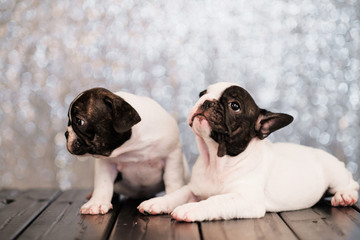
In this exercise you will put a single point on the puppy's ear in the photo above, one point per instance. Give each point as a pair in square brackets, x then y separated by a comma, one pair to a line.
[202, 93]
[269, 122]
[123, 114]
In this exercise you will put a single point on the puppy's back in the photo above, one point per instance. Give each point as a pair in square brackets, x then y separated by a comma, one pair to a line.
[156, 121]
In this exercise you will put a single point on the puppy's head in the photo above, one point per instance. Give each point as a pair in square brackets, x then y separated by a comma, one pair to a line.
[99, 122]
[228, 114]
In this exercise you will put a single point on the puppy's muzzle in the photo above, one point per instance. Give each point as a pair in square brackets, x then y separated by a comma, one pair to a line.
[200, 111]
[77, 147]
[67, 135]
[207, 105]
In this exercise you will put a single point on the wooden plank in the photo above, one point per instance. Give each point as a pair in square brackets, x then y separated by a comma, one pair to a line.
[324, 222]
[7, 196]
[8, 193]
[163, 227]
[62, 220]
[133, 225]
[269, 227]
[357, 205]
[19, 209]
[129, 225]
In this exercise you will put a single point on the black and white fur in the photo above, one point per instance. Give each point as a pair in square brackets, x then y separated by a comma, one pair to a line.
[133, 139]
[240, 174]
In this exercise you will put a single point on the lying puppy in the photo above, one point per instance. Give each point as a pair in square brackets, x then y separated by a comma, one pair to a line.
[240, 174]
[134, 141]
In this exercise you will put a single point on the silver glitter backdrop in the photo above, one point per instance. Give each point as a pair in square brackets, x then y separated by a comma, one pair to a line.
[300, 57]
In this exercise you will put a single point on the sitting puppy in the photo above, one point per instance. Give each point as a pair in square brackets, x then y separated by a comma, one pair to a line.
[134, 141]
[240, 174]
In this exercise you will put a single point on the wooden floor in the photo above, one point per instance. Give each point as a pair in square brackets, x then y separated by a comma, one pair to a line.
[52, 214]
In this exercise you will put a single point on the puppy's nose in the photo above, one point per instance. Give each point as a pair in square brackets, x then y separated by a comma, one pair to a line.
[66, 135]
[207, 104]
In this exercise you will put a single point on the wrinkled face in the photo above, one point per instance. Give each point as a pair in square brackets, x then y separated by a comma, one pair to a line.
[99, 122]
[228, 114]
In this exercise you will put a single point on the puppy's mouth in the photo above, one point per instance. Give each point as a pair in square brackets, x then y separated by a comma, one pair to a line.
[199, 115]
[215, 127]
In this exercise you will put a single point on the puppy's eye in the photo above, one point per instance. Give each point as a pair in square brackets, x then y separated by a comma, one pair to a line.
[79, 121]
[234, 106]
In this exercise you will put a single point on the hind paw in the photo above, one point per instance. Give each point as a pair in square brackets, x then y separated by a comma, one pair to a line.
[344, 199]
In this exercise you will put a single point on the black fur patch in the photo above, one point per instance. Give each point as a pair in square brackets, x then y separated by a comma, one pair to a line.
[102, 122]
[235, 119]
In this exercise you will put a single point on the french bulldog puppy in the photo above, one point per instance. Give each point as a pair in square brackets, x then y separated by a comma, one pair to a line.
[134, 141]
[240, 174]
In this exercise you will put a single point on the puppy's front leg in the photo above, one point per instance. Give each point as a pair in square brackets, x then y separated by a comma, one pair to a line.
[167, 203]
[226, 206]
[176, 172]
[100, 201]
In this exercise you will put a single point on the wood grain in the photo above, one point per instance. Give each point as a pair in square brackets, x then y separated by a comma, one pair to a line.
[52, 214]
[269, 227]
[19, 209]
[133, 225]
[62, 220]
[324, 222]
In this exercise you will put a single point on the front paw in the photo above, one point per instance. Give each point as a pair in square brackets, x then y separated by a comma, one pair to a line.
[95, 207]
[191, 212]
[155, 206]
[344, 198]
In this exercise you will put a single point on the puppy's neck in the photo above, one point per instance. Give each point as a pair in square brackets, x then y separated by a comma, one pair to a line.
[208, 150]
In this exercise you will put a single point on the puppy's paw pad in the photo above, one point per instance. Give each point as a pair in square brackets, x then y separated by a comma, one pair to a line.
[344, 199]
[94, 207]
[154, 206]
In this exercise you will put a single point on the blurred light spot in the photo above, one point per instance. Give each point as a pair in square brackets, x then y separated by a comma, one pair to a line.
[324, 138]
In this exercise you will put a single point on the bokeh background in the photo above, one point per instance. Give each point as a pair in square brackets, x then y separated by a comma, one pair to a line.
[301, 57]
